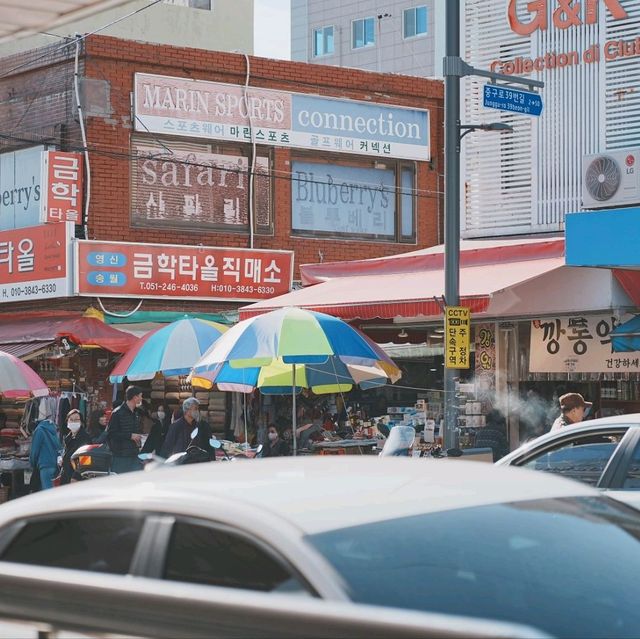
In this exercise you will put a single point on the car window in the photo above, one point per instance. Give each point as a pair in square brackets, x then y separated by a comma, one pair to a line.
[101, 543]
[583, 458]
[632, 478]
[207, 555]
[568, 567]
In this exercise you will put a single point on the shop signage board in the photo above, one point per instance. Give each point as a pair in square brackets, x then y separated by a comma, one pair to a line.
[127, 269]
[20, 188]
[217, 111]
[196, 189]
[457, 330]
[485, 359]
[62, 187]
[513, 100]
[343, 199]
[578, 344]
[35, 263]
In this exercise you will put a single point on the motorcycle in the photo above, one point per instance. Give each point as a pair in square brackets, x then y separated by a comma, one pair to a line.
[91, 461]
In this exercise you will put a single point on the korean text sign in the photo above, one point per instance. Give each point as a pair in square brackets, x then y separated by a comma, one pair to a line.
[213, 110]
[122, 269]
[578, 344]
[343, 199]
[457, 329]
[34, 262]
[62, 175]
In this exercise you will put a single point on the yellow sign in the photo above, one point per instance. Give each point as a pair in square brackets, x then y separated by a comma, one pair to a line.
[457, 329]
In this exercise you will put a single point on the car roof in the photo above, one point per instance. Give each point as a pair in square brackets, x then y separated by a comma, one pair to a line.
[631, 420]
[314, 493]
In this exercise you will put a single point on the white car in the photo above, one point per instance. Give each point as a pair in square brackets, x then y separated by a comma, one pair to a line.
[604, 453]
[459, 538]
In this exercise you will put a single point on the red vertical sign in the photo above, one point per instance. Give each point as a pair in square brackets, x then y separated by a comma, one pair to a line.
[62, 189]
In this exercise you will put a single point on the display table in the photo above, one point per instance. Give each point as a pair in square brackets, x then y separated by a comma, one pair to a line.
[16, 468]
[346, 447]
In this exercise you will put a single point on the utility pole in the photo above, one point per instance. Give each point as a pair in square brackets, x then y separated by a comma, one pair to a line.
[455, 68]
[452, 205]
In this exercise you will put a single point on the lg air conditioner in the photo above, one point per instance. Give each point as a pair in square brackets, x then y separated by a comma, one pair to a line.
[611, 179]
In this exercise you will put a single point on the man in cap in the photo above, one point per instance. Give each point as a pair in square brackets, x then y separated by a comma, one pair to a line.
[573, 409]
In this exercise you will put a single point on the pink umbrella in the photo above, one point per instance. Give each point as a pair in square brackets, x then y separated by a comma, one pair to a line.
[18, 380]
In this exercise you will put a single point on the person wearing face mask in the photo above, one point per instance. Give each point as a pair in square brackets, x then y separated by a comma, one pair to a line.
[152, 428]
[74, 439]
[276, 447]
[179, 435]
[123, 433]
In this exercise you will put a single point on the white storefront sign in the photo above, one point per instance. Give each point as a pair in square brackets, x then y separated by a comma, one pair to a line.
[578, 344]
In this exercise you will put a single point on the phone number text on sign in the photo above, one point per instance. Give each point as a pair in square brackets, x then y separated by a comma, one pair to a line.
[155, 270]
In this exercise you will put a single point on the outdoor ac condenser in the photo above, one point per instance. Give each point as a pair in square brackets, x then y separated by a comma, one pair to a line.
[611, 179]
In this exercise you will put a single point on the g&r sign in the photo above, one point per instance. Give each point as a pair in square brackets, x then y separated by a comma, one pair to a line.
[567, 14]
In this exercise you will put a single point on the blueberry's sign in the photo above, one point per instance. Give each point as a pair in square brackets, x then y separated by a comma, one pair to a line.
[20, 185]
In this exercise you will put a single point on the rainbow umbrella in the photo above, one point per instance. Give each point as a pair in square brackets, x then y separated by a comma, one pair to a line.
[17, 379]
[170, 350]
[292, 348]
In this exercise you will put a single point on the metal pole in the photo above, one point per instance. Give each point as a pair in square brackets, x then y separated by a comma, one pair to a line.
[294, 420]
[452, 204]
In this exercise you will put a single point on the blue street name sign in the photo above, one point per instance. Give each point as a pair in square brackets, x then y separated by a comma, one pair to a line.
[514, 100]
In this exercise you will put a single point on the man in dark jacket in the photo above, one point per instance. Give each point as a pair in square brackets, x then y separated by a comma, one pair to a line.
[123, 433]
[179, 436]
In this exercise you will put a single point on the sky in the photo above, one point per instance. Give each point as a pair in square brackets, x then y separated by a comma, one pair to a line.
[272, 25]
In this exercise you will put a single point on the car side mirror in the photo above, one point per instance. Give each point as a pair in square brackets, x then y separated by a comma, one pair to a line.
[215, 443]
[194, 433]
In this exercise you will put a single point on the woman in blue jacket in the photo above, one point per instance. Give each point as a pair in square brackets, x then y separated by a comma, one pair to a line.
[45, 448]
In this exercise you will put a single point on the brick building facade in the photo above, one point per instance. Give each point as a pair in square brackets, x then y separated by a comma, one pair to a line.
[37, 106]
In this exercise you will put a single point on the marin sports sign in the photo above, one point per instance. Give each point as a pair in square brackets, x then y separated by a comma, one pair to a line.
[212, 110]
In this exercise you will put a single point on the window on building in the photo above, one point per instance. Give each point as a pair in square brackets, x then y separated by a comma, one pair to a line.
[363, 33]
[180, 184]
[415, 21]
[323, 41]
[360, 199]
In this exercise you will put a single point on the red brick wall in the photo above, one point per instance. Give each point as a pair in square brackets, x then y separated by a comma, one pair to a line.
[116, 61]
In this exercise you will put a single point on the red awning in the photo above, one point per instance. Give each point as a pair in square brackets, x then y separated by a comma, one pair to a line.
[84, 331]
[630, 282]
[410, 294]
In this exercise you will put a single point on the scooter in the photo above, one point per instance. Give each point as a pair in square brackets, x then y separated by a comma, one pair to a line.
[91, 461]
[400, 444]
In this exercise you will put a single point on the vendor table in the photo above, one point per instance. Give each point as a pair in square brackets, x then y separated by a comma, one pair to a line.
[16, 468]
[347, 447]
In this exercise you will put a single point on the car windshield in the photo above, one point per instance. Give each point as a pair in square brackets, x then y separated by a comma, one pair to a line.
[566, 566]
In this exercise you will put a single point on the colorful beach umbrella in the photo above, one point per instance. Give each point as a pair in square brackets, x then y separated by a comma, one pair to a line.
[171, 350]
[291, 348]
[17, 379]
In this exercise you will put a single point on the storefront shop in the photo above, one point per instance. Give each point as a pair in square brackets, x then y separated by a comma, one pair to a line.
[525, 303]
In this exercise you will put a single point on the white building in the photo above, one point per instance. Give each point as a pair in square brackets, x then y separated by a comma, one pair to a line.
[396, 36]
[589, 58]
[220, 25]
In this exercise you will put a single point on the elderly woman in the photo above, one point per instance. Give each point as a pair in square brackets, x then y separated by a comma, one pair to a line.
[74, 439]
[179, 435]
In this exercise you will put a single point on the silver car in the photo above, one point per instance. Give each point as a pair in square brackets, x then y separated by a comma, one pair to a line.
[604, 453]
[458, 538]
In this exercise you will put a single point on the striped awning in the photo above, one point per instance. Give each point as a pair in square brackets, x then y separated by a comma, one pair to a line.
[25, 350]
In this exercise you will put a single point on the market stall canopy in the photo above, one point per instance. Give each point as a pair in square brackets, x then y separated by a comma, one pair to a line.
[22, 19]
[17, 380]
[42, 329]
[626, 337]
[409, 294]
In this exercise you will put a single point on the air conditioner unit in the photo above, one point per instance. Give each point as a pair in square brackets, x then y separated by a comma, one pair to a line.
[611, 179]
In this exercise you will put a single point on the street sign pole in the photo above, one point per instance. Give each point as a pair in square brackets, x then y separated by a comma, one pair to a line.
[454, 68]
[452, 208]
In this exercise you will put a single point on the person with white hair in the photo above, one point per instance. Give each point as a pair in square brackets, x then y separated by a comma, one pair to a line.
[179, 437]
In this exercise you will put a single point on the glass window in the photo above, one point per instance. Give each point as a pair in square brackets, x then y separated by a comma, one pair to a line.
[632, 480]
[323, 41]
[583, 459]
[415, 21]
[364, 200]
[100, 543]
[534, 562]
[406, 204]
[205, 555]
[363, 33]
